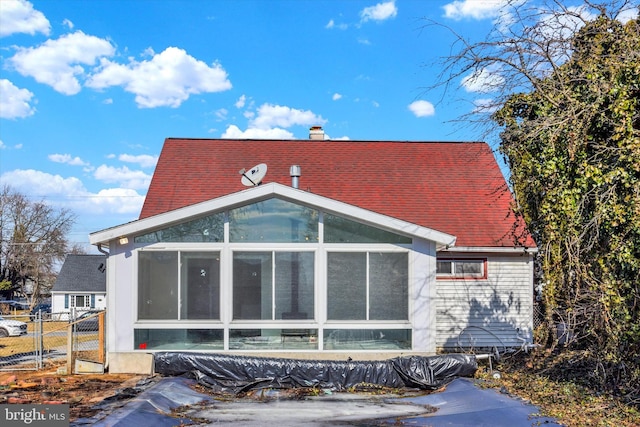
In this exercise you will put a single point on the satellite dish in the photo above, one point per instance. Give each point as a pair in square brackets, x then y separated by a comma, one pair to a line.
[254, 176]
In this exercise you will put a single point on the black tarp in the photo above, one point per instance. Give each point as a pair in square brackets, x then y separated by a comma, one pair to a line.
[237, 374]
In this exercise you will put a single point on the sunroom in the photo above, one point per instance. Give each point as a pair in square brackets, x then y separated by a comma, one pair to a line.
[274, 269]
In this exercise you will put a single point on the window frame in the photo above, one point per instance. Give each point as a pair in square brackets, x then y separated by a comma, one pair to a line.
[273, 251]
[183, 254]
[454, 276]
[73, 299]
[368, 251]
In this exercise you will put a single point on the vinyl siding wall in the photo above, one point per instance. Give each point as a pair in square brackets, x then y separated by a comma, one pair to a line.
[486, 313]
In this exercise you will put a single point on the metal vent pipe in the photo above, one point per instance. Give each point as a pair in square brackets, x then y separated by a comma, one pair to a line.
[295, 173]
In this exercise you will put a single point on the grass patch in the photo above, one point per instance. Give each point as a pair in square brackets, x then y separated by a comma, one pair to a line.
[54, 336]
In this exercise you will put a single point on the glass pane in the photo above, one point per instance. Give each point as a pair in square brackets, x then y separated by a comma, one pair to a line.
[468, 268]
[294, 285]
[443, 267]
[388, 286]
[342, 230]
[346, 286]
[273, 221]
[200, 285]
[179, 339]
[206, 229]
[367, 339]
[252, 290]
[263, 339]
[158, 285]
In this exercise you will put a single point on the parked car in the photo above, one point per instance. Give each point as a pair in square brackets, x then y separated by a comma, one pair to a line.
[43, 308]
[87, 321]
[12, 328]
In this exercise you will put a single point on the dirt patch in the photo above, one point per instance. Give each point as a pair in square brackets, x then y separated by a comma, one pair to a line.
[81, 392]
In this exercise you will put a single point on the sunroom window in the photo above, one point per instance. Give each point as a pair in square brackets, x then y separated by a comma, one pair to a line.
[341, 230]
[273, 285]
[367, 286]
[273, 221]
[206, 229]
[168, 291]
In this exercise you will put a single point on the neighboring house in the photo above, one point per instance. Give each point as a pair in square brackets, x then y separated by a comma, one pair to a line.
[376, 247]
[80, 286]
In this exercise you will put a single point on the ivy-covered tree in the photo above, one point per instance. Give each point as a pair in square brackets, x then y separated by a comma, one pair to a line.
[573, 149]
[33, 243]
[565, 96]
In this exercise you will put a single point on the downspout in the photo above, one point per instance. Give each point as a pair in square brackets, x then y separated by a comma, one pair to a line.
[102, 250]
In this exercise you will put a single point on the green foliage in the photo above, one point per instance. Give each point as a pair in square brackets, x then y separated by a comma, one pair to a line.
[5, 285]
[573, 148]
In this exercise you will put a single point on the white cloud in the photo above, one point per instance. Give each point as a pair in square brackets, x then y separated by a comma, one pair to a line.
[628, 14]
[57, 63]
[18, 16]
[336, 96]
[167, 80]
[483, 81]
[241, 101]
[68, 24]
[55, 185]
[475, 9]
[119, 200]
[14, 102]
[276, 115]
[67, 159]
[332, 24]
[126, 177]
[71, 193]
[221, 114]
[422, 108]
[2, 146]
[233, 132]
[379, 12]
[144, 160]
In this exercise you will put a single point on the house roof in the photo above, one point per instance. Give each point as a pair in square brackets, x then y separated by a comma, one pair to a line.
[455, 188]
[82, 273]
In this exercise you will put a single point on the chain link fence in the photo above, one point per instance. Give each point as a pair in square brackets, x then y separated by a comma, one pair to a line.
[32, 342]
[87, 341]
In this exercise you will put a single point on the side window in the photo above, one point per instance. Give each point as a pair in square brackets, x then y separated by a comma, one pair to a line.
[461, 268]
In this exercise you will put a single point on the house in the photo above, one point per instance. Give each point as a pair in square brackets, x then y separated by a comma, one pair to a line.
[80, 286]
[320, 248]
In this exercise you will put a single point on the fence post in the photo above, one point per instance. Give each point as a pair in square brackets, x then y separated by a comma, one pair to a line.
[40, 335]
[70, 348]
[101, 337]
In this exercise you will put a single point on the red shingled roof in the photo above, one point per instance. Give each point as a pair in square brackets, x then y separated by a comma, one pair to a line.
[456, 188]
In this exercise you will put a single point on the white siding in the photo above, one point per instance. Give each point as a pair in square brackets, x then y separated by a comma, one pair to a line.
[58, 310]
[491, 312]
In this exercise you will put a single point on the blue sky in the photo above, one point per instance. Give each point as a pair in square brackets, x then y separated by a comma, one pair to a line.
[89, 90]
